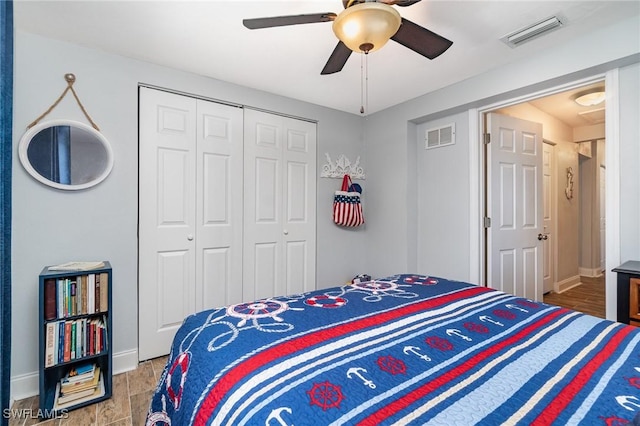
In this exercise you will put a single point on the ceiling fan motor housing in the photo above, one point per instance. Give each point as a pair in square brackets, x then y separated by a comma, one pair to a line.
[366, 27]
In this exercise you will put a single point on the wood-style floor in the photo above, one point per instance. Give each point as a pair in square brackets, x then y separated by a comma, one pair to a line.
[588, 297]
[132, 390]
[127, 407]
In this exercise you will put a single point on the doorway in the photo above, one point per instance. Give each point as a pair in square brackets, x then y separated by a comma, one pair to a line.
[573, 192]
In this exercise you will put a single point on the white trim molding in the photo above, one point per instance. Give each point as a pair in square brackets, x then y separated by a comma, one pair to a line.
[589, 272]
[567, 284]
[27, 385]
[612, 191]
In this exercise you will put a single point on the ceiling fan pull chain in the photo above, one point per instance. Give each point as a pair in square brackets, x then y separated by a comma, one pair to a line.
[361, 83]
[364, 82]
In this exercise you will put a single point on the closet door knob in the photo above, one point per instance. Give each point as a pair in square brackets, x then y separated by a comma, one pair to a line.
[190, 237]
[285, 232]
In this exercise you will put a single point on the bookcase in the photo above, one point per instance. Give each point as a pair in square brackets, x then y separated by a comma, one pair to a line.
[75, 336]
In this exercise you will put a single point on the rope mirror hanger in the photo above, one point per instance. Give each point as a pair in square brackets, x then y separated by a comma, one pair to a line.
[70, 79]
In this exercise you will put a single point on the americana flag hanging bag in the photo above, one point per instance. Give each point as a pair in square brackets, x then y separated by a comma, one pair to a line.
[347, 210]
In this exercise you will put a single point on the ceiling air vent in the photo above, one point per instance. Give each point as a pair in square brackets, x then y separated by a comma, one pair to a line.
[532, 31]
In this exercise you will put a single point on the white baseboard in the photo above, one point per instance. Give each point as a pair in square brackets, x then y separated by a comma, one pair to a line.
[125, 361]
[24, 386]
[27, 385]
[567, 284]
[590, 272]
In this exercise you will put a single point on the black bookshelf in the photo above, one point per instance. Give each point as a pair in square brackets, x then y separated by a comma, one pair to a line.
[70, 308]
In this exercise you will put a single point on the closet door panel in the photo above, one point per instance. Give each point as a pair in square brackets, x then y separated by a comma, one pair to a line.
[219, 207]
[166, 218]
[263, 205]
[267, 190]
[280, 203]
[297, 264]
[217, 267]
[300, 202]
[217, 190]
[174, 273]
[264, 281]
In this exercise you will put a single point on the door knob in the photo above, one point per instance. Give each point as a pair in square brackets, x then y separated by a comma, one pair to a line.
[542, 237]
[285, 232]
[190, 237]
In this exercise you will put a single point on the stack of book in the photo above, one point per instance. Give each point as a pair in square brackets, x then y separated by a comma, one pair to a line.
[82, 383]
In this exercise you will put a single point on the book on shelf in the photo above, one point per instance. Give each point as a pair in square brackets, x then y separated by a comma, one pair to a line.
[49, 299]
[90, 382]
[50, 345]
[104, 292]
[79, 373]
[77, 266]
[67, 341]
[97, 293]
[67, 399]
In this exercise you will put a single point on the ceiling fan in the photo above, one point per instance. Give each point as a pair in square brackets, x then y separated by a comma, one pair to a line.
[364, 26]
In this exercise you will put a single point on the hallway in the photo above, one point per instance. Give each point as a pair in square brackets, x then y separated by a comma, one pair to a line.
[588, 298]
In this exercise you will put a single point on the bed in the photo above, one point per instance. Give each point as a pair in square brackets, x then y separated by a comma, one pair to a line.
[407, 349]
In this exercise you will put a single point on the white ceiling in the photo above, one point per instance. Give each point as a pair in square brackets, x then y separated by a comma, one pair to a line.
[208, 38]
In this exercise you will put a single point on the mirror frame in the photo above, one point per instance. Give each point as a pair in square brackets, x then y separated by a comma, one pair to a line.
[28, 136]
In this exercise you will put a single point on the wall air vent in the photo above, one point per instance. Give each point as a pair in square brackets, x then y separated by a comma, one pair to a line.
[440, 136]
[532, 31]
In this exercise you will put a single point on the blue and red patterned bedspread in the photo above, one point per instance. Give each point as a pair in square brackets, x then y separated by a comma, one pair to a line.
[407, 349]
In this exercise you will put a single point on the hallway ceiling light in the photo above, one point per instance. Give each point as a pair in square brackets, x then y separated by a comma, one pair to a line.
[590, 98]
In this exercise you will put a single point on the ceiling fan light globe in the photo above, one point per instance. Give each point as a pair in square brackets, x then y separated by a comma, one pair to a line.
[366, 24]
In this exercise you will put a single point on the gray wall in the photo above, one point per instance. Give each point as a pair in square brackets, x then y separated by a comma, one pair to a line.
[629, 80]
[52, 226]
[442, 188]
[391, 139]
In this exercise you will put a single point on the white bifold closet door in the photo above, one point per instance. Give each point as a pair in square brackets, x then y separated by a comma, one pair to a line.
[190, 212]
[227, 210]
[280, 205]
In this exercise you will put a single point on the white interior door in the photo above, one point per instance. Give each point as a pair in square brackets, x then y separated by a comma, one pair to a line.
[548, 217]
[514, 204]
[280, 205]
[190, 212]
[166, 218]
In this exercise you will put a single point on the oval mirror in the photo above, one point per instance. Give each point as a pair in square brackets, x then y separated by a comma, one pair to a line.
[66, 154]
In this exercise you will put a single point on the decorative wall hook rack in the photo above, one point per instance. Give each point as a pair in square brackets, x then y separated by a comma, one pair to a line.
[341, 167]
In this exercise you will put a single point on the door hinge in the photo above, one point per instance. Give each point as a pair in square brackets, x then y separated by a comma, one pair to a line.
[487, 138]
[487, 222]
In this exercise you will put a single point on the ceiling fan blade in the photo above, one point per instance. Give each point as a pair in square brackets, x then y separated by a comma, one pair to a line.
[337, 59]
[421, 40]
[280, 21]
[402, 3]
